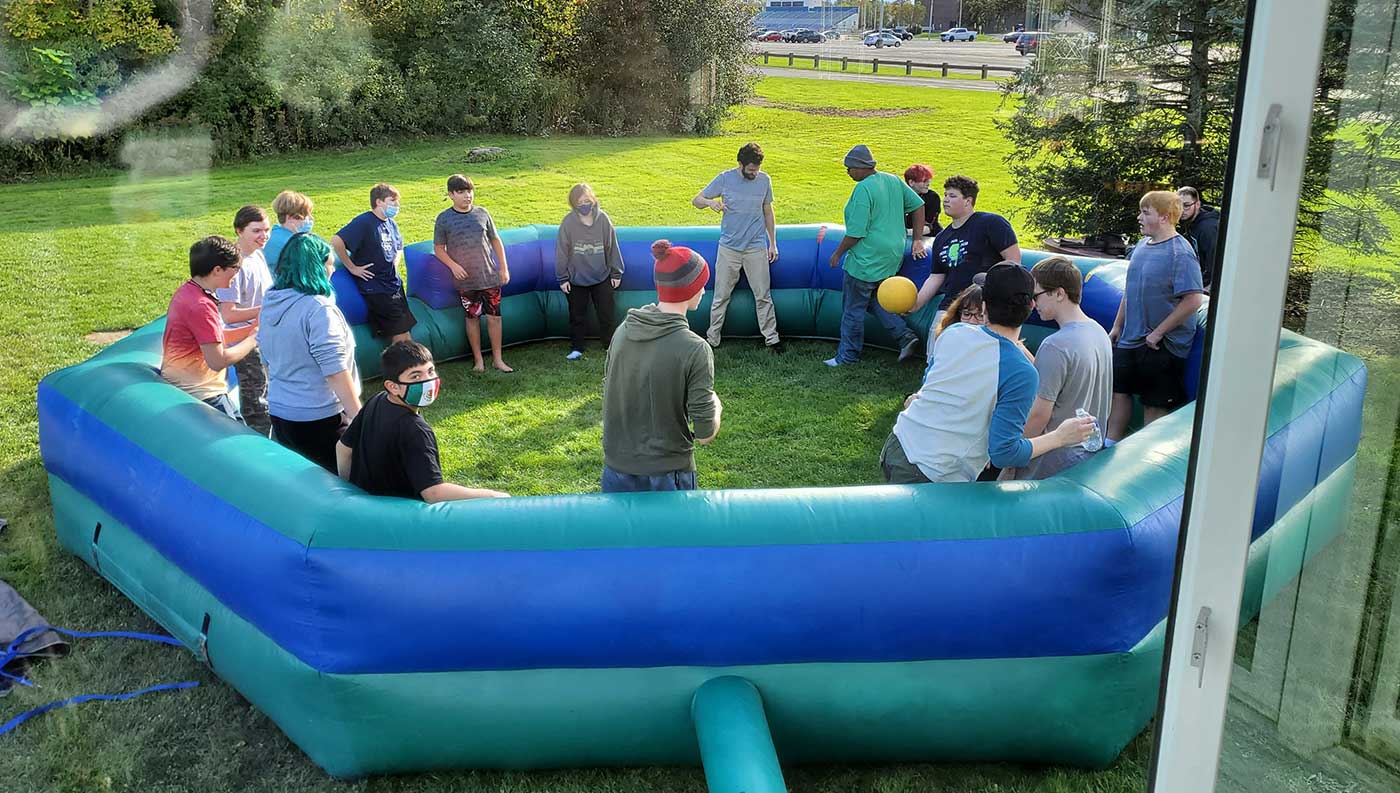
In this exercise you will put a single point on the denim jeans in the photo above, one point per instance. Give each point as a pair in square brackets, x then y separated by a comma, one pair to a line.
[618, 482]
[858, 297]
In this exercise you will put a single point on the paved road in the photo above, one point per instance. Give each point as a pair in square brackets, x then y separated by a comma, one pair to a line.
[973, 53]
[926, 82]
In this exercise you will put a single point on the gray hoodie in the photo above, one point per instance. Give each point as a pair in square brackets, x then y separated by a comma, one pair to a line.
[587, 255]
[303, 340]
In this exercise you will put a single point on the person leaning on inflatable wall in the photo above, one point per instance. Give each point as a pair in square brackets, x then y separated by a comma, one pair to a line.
[389, 450]
[659, 382]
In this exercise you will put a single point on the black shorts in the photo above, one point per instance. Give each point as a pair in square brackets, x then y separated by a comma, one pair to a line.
[1156, 377]
[389, 314]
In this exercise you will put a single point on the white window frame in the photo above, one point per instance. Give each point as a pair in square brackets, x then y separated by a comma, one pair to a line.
[1283, 56]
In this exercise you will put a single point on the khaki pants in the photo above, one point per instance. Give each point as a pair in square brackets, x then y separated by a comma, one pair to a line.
[753, 263]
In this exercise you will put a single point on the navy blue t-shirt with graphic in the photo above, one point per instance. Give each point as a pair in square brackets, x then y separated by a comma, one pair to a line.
[375, 244]
[963, 252]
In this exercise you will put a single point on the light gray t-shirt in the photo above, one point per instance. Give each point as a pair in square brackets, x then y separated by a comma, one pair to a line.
[1075, 364]
[1159, 275]
[468, 237]
[246, 290]
[741, 226]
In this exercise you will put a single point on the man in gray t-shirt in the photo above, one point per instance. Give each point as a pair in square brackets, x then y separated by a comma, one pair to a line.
[1075, 365]
[748, 241]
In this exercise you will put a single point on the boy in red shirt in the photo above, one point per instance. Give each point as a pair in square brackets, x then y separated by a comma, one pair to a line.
[195, 349]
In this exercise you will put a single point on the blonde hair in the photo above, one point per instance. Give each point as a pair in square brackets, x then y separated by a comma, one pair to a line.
[290, 202]
[579, 191]
[1166, 202]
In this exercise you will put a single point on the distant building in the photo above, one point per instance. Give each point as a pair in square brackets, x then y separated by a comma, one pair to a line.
[788, 14]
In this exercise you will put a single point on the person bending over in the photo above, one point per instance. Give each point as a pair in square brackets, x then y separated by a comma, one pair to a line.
[975, 398]
[389, 450]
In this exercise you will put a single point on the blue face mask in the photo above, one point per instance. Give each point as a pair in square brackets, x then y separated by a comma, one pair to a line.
[585, 209]
[390, 210]
[305, 226]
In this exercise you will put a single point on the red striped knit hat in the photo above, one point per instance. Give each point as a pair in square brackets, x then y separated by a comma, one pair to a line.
[680, 272]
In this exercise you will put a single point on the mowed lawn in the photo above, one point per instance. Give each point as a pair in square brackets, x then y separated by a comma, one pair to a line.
[104, 253]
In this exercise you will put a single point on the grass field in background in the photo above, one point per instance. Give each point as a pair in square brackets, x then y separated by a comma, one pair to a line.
[105, 252]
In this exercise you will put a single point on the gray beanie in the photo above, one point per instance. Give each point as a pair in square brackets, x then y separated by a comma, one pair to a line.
[860, 157]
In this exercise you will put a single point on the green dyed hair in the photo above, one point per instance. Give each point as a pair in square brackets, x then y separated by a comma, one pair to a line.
[302, 266]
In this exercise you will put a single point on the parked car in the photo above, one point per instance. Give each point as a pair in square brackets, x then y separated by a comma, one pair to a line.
[1010, 38]
[902, 32]
[958, 34]
[758, 35]
[831, 35]
[1028, 43]
[772, 35]
[804, 36]
[882, 40]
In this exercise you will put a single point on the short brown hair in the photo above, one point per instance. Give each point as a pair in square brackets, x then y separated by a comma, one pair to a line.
[247, 215]
[1166, 202]
[1058, 272]
[381, 192]
[290, 202]
[963, 184]
[1189, 192]
[460, 183]
[581, 190]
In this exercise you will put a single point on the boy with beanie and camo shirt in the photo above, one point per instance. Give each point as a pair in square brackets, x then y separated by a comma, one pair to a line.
[658, 385]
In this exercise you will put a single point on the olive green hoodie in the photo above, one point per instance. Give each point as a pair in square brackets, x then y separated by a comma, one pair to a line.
[659, 380]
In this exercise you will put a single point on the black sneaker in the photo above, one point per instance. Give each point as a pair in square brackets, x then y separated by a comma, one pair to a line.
[777, 348]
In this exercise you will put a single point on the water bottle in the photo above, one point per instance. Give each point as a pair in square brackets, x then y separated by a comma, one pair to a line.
[1095, 440]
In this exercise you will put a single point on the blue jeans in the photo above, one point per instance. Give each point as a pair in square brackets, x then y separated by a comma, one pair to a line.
[857, 297]
[618, 482]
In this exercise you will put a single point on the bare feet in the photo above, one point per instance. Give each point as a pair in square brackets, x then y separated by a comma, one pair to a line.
[480, 367]
[501, 366]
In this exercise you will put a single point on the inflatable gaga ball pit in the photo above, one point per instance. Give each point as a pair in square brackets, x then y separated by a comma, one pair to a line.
[1016, 621]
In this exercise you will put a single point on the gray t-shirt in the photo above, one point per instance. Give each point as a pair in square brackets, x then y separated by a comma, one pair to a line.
[468, 236]
[1075, 365]
[1159, 275]
[246, 290]
[741, 227]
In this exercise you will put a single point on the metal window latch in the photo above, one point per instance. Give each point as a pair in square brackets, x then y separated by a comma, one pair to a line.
[1199, 642]
[1269, 145]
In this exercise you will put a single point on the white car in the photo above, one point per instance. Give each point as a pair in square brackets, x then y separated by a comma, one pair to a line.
[882, 40]
[958, 34]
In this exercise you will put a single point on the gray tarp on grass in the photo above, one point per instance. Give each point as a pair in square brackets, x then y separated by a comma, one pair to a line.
[16, 617]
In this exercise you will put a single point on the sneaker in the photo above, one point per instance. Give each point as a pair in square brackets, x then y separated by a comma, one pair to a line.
[832, 362]
[777, 348]
[907, 350]
[574, 355]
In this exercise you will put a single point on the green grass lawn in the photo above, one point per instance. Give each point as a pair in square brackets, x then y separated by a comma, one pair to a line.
[104, 252]
[891, 63]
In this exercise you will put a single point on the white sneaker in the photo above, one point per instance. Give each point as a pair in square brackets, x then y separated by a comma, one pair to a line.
[574, 355]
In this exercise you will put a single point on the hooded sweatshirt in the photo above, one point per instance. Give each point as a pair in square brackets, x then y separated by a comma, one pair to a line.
[304, 339]
[586, 255]
[659, 380]
[1202, 232]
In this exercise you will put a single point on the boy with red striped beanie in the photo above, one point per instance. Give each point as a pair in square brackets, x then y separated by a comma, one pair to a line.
[659, 383]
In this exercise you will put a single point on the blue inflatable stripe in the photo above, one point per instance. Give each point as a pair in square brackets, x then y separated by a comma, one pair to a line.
[322, 604]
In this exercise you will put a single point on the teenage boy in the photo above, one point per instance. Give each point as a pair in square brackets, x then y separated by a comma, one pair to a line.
[388, 449]
[658, 384]
[975, 397]
[465, 239]
[293, 211]
[748, 241]
[240, 304]
[195, 350]
[1075, 364]
[970, 244]
[1154, 330]
[1200, 225]
[874, 250]
[369, 247]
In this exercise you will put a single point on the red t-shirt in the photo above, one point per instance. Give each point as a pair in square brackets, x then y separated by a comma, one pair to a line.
[192, 320]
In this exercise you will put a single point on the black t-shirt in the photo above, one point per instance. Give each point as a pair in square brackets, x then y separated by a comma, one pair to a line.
[933, 202]
[396, 452]
[972, 248]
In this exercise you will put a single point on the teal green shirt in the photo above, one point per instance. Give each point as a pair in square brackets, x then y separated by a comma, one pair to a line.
[875, 213]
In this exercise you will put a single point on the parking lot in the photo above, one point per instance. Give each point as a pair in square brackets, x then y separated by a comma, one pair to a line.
[971, 53]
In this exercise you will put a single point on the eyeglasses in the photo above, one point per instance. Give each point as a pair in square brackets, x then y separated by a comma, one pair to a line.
[1187, 204]
[1036, 295]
